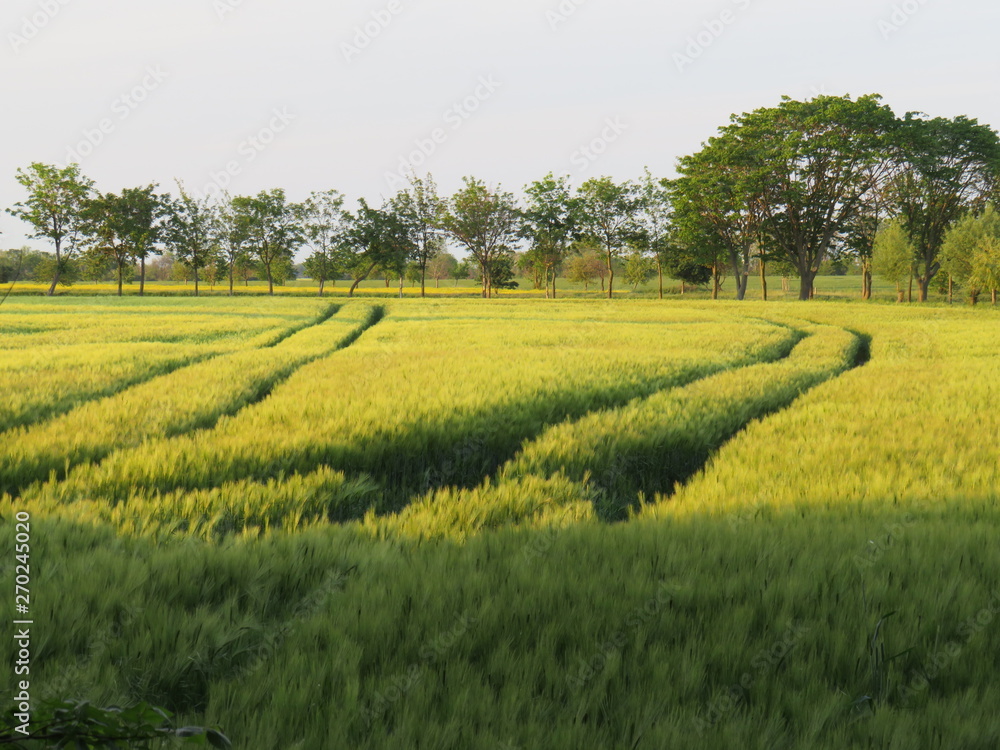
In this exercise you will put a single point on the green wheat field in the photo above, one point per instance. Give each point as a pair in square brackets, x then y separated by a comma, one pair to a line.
[510, 525]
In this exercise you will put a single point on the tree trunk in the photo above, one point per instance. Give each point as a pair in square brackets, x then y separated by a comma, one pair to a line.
[763, 279]
[423, 280]
[909, 298]
[951, 288]
[121, 273]
[611, 276]
[716, 286]
[196, 281]
[360, 279]
[554, 277]
[401, 286]
[55, 277]
[683, 287]
[659, 269]
[899, 293]
[866, 279]
[807, 279]
[994, 295]
[925, 285]
[142, 276]
[742, 282]
[231, 272]
[270, 282]
[322, 284]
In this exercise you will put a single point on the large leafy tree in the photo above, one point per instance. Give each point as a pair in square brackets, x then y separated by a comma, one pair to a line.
[423, 211]
[324, 226]
[946, 168]
[717, 202]
[608, 217]
[53, 208]
[273, 227]
[487, 222]
[549, 222]
[189, 232]
[801, 169]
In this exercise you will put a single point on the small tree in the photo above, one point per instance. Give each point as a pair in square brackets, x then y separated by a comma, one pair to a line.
[893, 255]
[986, 266]
[56, 198]
[188, 233]
[639, 269]
[376, 237]
[549, 222]
[105, 225]
[273, 228]
[962, 245]
[324, 225]
[487, 222]
[231, 232]
[422, 211]
[441, 267]
[608, 218]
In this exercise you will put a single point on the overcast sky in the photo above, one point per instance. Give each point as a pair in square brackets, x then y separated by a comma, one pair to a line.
[257, 94]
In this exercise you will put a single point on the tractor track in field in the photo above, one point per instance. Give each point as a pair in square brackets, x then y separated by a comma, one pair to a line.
[378, 313]
[653, 471]
[128, 383]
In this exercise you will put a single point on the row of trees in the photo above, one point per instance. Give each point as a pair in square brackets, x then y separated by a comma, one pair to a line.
[409, 231]
[782, 189]
[806, 181]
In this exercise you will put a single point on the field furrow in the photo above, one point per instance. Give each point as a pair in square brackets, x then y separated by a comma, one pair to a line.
[606, 464]
[377, 411]
[192, 398]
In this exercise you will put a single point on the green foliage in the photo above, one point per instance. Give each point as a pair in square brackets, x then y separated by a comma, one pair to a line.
[80, 724]
[638, 269]
[965, 248]
[53, 209]
[894, 253]
[487, 223]
[273, 232]
[950, 166]
[608, 214]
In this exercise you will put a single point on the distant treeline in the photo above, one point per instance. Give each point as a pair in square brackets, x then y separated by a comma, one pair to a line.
[787, 190]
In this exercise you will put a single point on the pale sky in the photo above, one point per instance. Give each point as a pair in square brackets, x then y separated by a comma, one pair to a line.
[342, 95]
